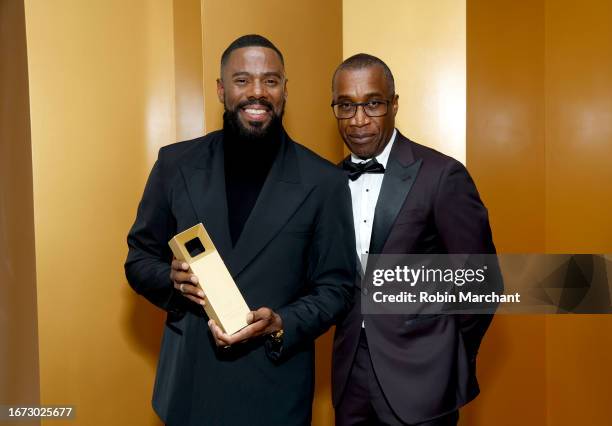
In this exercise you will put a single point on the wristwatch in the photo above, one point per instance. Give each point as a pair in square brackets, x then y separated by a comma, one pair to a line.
[277, 336]
[275, 341]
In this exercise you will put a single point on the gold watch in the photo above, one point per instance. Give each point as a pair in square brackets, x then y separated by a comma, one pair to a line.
[277, 336]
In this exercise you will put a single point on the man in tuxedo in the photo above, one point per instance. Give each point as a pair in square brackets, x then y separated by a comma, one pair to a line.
[407, 199]
[280, 217]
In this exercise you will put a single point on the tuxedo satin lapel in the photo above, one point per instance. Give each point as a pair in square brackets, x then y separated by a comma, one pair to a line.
[280, 197]
[360, 274]
[205, 180]
[400, 174]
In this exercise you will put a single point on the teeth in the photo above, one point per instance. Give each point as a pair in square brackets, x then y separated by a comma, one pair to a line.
[255, 111]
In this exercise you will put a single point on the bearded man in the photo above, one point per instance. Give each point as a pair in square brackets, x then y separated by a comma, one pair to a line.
[280, 217]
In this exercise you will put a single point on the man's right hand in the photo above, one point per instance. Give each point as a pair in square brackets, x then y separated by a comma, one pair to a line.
[186, 282]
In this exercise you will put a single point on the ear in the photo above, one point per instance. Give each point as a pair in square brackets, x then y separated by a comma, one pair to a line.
[285, 91]
[395, 104]
[220, 90]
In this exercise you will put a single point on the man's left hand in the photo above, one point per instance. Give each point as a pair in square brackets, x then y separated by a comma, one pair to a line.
[260, 322]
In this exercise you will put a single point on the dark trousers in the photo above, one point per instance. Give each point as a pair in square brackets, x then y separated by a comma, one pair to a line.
[364, 403]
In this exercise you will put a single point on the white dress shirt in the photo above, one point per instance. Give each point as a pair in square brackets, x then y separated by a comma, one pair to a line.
[364, 195]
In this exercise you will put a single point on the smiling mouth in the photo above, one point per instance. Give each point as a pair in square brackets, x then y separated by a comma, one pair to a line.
[255, 112]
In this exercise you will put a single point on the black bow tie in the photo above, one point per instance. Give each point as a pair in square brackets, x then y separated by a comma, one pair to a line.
[357, 169]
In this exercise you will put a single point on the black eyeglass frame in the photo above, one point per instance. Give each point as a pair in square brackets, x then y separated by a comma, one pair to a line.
[356, 105]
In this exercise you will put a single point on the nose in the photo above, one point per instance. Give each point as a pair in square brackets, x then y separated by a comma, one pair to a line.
[360, 118]
[257, 89]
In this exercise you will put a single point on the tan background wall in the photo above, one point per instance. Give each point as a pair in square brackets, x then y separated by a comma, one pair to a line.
[19, 383]
[578, 129]
[539, 146]
[103, 82]
[188, 69]
[423, 42]
[505, 155]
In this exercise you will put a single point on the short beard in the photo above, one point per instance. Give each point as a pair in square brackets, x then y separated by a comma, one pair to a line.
[233, 126]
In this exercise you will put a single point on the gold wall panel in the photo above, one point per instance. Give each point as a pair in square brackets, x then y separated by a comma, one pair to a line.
[188, 68]
[19, 378]
[423, 43]
[539, 144]
[103, 84]
[578, 198]
[505, 155]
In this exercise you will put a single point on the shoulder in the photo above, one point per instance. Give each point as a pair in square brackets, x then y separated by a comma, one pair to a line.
[189, 149]
[435, 166]
[434, 159]
[436, 169]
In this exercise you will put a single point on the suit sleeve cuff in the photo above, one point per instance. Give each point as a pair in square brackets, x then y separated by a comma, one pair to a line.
[277, 351]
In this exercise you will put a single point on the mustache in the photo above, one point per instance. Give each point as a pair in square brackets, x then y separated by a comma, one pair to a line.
[256, 102]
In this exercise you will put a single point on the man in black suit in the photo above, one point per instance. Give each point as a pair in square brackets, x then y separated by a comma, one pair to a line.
[280, 216]
[407, 198]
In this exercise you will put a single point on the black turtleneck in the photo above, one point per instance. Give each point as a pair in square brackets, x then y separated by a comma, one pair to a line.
[247, 163]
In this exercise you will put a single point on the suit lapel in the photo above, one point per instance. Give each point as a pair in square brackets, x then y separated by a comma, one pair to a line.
[281, 195]
[400, 174]
[205, 180]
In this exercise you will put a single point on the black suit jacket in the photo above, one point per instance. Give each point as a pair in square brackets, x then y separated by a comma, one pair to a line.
[425, 365]
[295, 255]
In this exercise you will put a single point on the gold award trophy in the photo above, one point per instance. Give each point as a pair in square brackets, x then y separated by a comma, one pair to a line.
[224, 302]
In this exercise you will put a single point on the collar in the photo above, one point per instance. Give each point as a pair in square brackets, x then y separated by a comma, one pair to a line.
[383, 157]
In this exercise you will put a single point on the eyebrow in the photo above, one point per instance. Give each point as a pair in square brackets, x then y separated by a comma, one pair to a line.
[367, 96]
[265, 74]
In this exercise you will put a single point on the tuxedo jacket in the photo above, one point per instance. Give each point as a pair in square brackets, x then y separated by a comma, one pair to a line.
[296, 255]
[425, 364]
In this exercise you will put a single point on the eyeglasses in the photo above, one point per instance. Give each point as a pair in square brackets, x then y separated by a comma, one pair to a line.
[373, 108]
